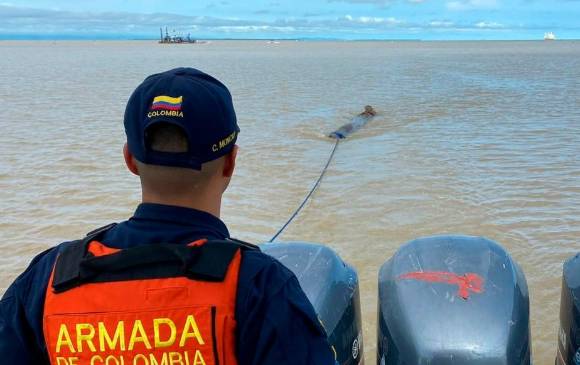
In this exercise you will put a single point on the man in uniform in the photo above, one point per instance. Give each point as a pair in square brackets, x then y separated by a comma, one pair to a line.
[167, 286]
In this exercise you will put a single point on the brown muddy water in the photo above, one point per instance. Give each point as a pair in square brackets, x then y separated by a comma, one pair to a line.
[478, 138]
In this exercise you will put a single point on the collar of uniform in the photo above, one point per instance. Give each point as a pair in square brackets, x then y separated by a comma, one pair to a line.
[180, 215]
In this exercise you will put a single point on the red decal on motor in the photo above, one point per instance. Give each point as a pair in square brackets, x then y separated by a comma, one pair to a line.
[469, 282]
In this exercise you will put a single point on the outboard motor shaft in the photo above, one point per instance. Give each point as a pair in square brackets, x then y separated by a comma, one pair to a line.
[569, 334]
[331, 285]
[453, 300]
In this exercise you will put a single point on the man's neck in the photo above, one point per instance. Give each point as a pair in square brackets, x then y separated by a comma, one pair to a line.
[208, 205]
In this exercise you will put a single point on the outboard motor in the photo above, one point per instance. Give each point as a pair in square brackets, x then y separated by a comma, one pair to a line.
[453, 300]
[331, 285]
[569, 334]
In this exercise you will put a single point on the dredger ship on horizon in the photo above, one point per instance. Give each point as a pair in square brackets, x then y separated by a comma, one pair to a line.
[175, 39]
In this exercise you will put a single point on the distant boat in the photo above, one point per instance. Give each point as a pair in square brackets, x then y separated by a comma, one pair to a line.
[549, 36]
[175, 38]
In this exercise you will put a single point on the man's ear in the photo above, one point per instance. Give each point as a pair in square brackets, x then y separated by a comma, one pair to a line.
[230, 162]
[130, 160]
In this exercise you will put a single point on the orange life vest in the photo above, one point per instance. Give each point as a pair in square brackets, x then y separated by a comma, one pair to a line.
[148, 305]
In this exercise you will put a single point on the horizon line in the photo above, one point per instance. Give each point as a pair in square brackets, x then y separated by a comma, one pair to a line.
[334, 39]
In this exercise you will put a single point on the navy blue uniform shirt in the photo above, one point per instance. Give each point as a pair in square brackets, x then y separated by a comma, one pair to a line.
[276, 324]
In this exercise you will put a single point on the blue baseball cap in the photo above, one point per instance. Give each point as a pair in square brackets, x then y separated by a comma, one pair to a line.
[192, 100]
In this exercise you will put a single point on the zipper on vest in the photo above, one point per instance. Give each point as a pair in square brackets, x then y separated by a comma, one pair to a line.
[213, 335]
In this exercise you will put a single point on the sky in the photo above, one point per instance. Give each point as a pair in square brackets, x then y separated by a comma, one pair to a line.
[295, 19]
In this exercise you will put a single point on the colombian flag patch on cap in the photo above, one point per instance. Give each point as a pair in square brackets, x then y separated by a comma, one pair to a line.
[167, 103]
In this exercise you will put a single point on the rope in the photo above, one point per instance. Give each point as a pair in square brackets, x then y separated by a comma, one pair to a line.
[309, 194]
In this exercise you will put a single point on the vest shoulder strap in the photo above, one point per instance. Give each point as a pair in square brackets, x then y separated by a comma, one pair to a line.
[244, 245]
[76, 265]
[66, 269]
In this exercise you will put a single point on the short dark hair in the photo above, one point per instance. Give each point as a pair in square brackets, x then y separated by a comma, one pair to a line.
[166, 137]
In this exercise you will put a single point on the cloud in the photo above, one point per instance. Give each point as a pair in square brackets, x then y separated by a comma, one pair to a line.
[374, 20]
[441, 24]
[18, 20]
[459, 5]
[44, 23]
[253, 28]
[489, 25]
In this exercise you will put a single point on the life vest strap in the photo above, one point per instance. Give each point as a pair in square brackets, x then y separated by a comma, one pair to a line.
[69, 274]
[76, 265]
[244, 244]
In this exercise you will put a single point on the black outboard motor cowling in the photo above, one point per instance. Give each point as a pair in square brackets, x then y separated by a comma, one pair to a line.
[453, 300]
[331, 285]
[569, 334]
